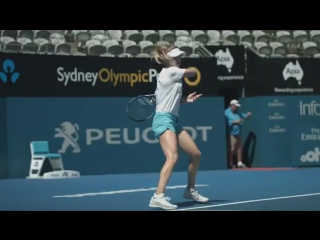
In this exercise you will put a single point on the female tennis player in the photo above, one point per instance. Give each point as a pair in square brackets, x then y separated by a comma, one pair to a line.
[165, 124]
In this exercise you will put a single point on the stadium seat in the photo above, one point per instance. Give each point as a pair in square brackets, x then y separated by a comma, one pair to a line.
[139, 43]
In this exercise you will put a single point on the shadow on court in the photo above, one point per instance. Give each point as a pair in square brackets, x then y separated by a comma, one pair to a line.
[187, 204]
[194, 203]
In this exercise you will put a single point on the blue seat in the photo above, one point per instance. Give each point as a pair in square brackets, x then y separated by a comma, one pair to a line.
[40, 153]
[49, 155]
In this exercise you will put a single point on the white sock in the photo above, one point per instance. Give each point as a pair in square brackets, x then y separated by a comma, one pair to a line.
[159, 195]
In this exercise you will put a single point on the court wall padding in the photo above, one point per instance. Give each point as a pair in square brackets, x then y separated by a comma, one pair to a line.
[282, 132]
[95, 136]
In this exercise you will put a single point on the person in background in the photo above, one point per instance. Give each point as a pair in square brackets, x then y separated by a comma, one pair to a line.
[235, 120]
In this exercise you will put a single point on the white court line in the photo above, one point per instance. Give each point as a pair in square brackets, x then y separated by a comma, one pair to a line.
[250, 201]
[224, 210]
[123, 191]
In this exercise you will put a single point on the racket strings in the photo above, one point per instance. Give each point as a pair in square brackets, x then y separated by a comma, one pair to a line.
[141, 108]
[147, 101]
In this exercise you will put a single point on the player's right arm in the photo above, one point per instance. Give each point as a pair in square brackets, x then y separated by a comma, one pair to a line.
[230, 119]
[179, 73]
[189, 72]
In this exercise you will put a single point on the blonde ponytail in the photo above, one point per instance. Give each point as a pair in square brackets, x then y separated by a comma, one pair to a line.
[159, 53]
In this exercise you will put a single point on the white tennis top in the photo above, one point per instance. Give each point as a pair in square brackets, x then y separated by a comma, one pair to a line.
[169, 90]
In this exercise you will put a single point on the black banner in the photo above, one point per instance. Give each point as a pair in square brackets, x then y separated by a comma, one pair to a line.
[292, 76]
[62, 76]
[282, 76]
[230, 64]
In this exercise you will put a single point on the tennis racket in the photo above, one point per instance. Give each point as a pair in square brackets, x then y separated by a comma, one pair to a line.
[141, 108]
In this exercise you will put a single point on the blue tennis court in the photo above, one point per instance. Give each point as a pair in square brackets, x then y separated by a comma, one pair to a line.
[296, 189]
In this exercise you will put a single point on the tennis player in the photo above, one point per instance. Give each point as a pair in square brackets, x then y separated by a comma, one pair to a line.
[165, 124]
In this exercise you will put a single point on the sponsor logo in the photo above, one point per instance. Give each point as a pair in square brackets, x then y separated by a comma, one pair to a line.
[69, 133]
[8, 74]
[311, 156]
[293, 70]
[309, 109]
[226, 59]
[277, 129]
[276, 116]
[61, 174]
[116, 136]
[275, 103]
[109, 75]
[314, 135]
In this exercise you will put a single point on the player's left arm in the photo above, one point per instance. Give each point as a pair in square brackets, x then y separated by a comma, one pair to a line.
[245, 116]
[191, 98]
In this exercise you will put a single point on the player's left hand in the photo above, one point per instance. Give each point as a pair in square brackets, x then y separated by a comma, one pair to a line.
[193, 97]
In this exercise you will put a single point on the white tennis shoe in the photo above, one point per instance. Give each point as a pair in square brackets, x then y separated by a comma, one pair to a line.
[241, 165]
[160, 201]
[193, 194]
